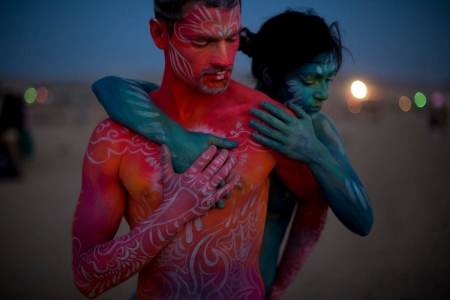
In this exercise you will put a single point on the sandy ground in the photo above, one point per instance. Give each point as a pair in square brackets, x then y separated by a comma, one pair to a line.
[405, 170]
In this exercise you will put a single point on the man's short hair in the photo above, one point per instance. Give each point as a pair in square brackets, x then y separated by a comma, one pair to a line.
[171, 11]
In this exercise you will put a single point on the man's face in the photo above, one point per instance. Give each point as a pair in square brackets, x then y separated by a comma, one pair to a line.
[203, 46]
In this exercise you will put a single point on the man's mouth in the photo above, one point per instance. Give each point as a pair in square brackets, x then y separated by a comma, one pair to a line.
[218, 74]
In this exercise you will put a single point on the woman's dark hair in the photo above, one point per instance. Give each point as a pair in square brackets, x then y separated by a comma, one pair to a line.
[290, 40]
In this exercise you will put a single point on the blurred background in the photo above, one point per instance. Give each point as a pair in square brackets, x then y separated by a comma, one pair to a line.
[390, 102]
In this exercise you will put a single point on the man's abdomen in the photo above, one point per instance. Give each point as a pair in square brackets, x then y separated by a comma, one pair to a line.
[214, 256]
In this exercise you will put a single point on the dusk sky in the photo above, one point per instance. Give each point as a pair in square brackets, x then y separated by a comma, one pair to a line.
[88, 39]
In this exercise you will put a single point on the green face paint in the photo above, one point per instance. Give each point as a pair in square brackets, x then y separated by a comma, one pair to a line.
[307, 85]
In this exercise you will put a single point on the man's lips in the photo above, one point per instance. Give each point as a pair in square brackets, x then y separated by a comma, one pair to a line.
[218, 76]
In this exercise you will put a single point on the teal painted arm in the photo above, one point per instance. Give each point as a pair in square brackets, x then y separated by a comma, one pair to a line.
[127, 102]
[317, 143]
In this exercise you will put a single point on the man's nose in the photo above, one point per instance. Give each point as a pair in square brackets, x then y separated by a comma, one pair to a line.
[221, 56]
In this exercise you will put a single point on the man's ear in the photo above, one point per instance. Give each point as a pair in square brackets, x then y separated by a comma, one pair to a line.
[159, 33]
[267, 75]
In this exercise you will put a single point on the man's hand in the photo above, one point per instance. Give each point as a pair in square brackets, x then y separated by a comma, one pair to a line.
[196, 190]
[291, 136]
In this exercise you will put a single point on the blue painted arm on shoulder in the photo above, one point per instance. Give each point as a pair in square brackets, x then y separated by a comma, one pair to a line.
[127, 102]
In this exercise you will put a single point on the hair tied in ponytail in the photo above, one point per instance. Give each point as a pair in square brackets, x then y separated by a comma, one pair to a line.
[247, 42]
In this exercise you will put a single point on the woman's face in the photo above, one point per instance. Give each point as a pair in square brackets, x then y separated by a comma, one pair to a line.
[307, 85]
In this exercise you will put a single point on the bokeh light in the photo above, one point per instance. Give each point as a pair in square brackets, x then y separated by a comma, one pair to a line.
[41, 95]
[49, 97]
[359, 89]
[437, 99]
[420, 100]
[354, 105]
[30, 95]
[404, 103]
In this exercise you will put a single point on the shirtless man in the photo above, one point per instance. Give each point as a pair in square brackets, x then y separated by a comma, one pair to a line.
[180, 247]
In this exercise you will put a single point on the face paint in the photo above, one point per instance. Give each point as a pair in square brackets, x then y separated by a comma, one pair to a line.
[203, 46]
[307, 85]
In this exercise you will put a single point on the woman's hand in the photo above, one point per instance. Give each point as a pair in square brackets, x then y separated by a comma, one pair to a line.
[291, 136]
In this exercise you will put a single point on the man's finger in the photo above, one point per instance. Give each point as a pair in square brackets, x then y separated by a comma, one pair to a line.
[221, 142]
[223, 172]
[202, 161]
[167, 163]
[216, 167]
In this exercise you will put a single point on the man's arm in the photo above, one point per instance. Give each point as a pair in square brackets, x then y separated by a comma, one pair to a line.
[127, 102]
[101, 261]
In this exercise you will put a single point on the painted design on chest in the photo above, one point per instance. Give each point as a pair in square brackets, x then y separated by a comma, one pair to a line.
[214, 265]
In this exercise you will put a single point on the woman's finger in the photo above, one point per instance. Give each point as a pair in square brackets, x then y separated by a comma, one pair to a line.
[268, 119]
[276, 111]
[267, 131]
[297, 110]
[268, 142]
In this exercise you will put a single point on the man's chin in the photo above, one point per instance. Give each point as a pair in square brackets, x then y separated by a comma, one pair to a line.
[213, 89]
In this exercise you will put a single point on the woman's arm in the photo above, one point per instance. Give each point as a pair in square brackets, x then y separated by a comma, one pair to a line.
[319, 146]
[127, 102]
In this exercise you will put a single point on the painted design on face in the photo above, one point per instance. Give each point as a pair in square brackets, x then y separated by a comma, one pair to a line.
[200, 26]
[327, 66]
[307, 86]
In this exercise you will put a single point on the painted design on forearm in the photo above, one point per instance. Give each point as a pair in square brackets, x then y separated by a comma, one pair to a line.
[357, 193]
[355, 190]
[141, 105]
[333, 136]
[308, 225]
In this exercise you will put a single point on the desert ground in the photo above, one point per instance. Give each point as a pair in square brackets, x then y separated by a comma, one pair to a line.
[404, 168]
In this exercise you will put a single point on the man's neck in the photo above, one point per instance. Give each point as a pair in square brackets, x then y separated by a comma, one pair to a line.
[180, 101]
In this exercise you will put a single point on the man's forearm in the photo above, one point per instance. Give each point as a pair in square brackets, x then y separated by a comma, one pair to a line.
[106, 265]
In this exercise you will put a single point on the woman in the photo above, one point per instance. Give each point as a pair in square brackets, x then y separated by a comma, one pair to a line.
[294, 57]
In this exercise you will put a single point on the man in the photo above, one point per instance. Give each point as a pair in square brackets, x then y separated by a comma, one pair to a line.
[180, 247]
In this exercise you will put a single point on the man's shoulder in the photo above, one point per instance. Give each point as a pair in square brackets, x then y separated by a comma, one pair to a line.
[110, 128]
[111, 137]
[248, 95]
